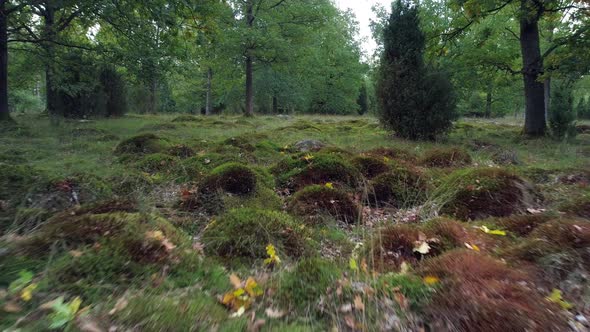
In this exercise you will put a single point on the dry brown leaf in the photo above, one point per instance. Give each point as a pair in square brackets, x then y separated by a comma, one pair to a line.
[401, 300]
[169, 246]
[235, 281]
[346, 307]
[350, 322]
[86, 324]
[120, 305]
[76, 253]
[274, 313]
[358, 303]
[12, 307]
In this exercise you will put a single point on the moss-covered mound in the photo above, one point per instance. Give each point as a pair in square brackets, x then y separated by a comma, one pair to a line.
[479, 293]
[316, 201]
[181, 151]
[246, 232]
[579, 207]
[392, 153]
[186, 118]
[370, 167]
[15, 182]
[157, 163]
[522, 225]
[303, 287]
[445, 157]
[307, 169]
[234, 178]
[396, 244]
[142, 144]
[485, 192]
[400, 187]
[452, 234]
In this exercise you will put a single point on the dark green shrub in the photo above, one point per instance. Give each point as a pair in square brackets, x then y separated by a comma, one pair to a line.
[246, 232]
[561, 112]
[114, 91]
[416, 102]
[316, 200]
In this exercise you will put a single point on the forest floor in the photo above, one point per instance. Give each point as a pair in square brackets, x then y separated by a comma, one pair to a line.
[307, 223]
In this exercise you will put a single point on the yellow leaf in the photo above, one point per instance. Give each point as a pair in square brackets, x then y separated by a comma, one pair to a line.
[385, 159]
[74, 305]
[492, 231]
[272, 255]
[155, 235]
[235, 281]
[27, 293]
[252, 288]
[555, 297]
[227, 298]
[431, 280]
[239, 292]
[472, 246]
[353, 265]
[308, 157]
[330, 185]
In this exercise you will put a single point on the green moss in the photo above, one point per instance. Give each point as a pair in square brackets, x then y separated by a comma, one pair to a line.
[142, 144]
[193, 311]
[370, 167]
[27, 219]
[263, 198]
[246, 232]
[234, 178]
[484, 192]
[579, 207]
[316, 201]
[410, 286]
[181, 151]
[400, 187]
[157, 163]
[302, 288]
[445, 157]
[187, 118]
[16, 180]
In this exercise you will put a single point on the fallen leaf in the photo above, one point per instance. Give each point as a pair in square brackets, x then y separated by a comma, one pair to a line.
[401, 300]
[155, 235]
[492, 231]
[120, 305]
[252, 288]
[346, 307]
[431, 280]
[169, 246]
[86, 324]
[12, 307]
[352, 264]
[358, 303]
[75, 253]
[350, 322]
[471, 246]
[274, 313]
[555, 297]
[404, 268]
[423, 248]
[238, 313]
[235, 281]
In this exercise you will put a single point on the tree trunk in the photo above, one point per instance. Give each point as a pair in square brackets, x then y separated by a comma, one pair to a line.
[535, 122]
[153, 100]
[547, 88]
[51, 93]
[249, 68]
[208, 93]
[489, 92]
[275, 105]
[4, 114]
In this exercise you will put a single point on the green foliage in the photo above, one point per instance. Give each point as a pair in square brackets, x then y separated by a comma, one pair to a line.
[561, 112]
[246, 232]
[416, 102]
[142, 144]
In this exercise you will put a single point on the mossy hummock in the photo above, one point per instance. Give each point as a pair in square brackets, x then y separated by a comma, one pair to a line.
[316, 201]
[445, 157]
[401, 187]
